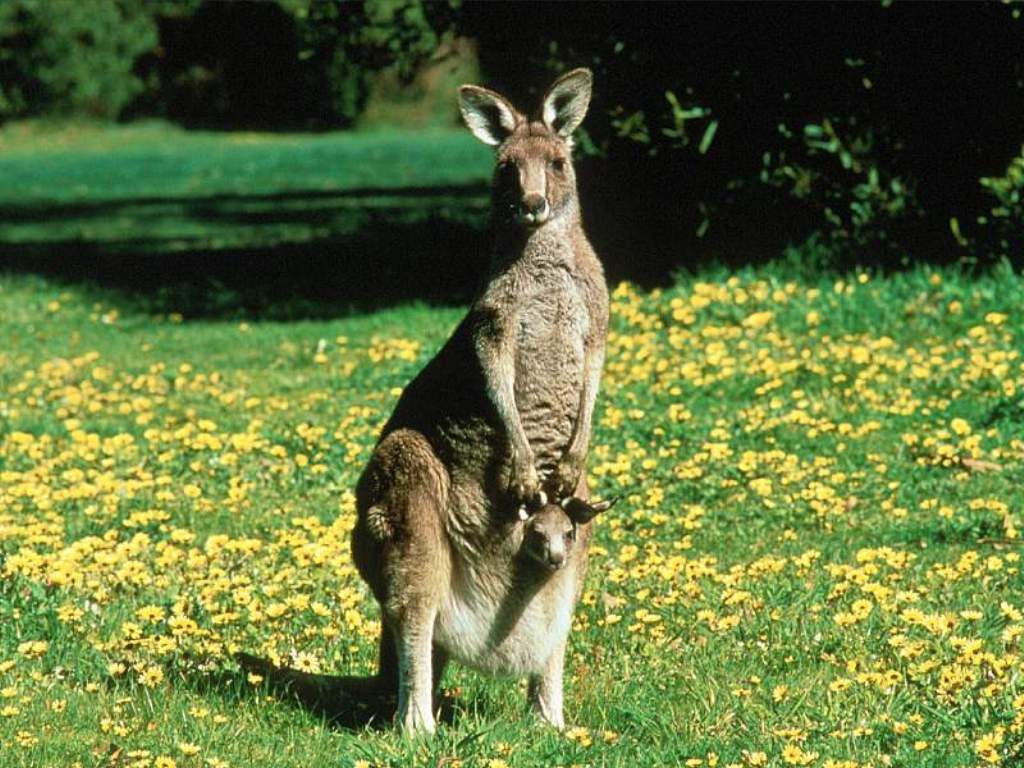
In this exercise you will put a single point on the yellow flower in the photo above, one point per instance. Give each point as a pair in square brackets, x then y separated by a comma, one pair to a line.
[580, 735]
[960, 427]
[151, 676]
[150, 613]
[793, 755]
[33, 649]
[758, 319]
[26, 739]
[987, 747]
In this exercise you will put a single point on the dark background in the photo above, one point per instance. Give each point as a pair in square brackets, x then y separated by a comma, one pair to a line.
[870, 134]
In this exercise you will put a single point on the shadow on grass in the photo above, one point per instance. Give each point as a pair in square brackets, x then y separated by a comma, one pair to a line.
[344, 701]
[348, 702]
[312, 201]
[293, 255]
[285, 256]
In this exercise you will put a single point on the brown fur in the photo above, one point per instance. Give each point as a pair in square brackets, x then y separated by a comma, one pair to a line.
[498, 419]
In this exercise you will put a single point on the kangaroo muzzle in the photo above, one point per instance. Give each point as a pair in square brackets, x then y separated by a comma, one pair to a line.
[533, 209]
[554, 556]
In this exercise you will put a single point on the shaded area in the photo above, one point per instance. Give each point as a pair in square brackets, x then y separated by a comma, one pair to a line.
[300, 253]
[286, 256]
[918, 92]
[724, 131]
[315, 204]
[344, 701]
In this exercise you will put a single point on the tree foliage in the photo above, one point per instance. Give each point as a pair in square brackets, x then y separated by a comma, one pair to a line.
[69, 57]
[349, 41]
[1003, 222]
[731, 129]
[728, 129]
[291, 63]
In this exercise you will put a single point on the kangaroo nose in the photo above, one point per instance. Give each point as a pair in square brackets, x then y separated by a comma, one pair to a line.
[535, 207]
[534, 203]
[556, 558]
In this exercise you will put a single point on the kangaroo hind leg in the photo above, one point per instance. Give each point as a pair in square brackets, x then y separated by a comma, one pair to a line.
[415, 569]
[545, 689]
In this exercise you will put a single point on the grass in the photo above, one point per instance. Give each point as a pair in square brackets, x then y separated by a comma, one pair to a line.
[817, 557]
[816, 560]
[228, 223]
[83, 163]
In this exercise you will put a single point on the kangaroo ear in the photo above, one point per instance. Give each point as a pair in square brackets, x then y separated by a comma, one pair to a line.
[582, 512]
[565, 104]
[488, 115]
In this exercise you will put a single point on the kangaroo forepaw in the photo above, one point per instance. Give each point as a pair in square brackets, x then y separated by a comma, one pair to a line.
[526, 488]
[567, 475]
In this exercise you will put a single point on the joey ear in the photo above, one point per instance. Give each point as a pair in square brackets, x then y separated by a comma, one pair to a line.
[582, 512]
[488, 115]
[565, 104]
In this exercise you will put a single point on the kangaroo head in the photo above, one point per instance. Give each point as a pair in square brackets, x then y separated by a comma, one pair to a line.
[549, 537]
[534, 181]
[551, 531]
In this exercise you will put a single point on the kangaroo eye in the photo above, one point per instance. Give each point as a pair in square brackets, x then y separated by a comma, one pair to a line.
[558, 165]
[571, 535]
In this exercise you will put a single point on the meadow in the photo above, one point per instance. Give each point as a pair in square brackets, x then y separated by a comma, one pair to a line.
[283, 225]
[816, 560]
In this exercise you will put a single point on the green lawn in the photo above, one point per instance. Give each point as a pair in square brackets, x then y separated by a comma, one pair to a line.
[82, 163]
[256, 218]
[182, 188]
[817, 550]
[816, 560]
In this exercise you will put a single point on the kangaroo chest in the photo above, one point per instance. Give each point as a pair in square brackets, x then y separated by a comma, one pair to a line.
[551, 326]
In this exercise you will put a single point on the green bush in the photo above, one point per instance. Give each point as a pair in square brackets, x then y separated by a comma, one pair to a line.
[738, 131]
[297, 62]
[347, 42]
[1004, 223]
[839, 174]
[68, 57]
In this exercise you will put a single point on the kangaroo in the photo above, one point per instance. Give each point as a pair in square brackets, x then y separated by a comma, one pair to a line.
[549, 536]
[499, 420]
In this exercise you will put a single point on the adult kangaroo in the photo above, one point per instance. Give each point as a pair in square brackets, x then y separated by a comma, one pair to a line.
[498, 421]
